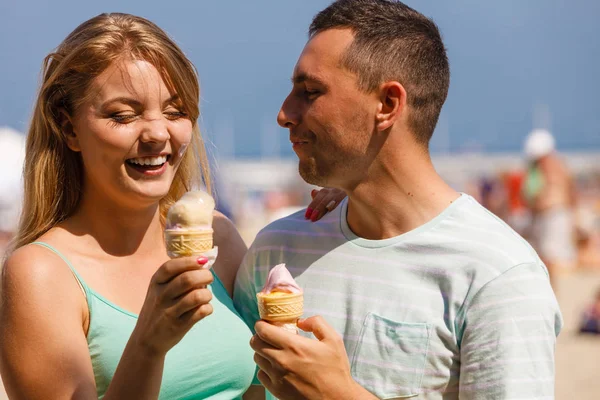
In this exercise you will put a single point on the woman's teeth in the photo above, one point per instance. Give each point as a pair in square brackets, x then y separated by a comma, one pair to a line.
[152, 161]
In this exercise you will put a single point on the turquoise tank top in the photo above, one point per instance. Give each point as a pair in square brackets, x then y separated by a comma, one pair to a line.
[213, 360]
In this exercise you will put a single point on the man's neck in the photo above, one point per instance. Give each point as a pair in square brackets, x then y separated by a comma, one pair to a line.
[118, 230]
[398, 197]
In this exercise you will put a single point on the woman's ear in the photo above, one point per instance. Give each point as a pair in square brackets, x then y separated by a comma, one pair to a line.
[392, 103]
[66, 127]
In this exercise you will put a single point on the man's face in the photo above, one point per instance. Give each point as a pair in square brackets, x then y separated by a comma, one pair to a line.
[331, 121]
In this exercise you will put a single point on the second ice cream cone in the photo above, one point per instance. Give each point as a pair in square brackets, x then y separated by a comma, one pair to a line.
[280, 306]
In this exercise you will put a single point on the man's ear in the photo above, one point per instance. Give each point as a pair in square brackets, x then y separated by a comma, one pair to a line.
[66, 127]
[392, 103]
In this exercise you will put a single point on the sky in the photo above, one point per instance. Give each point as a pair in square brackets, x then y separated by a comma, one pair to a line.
[515, 65]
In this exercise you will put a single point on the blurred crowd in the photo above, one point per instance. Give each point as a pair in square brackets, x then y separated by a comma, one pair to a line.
[557, 211]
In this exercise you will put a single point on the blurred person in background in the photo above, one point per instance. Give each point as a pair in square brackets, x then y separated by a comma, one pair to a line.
[549, 192]
[518, 216]
[590, 320]
[492, 195]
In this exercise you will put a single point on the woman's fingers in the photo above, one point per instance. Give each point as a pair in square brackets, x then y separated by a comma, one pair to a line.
[176, 266]
[191, 317]
[190, 301]
[186, 282]
[324, 200]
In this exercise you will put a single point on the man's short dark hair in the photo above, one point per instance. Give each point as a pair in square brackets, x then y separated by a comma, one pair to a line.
[393, 42]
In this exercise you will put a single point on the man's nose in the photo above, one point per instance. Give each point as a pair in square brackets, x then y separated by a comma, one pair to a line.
[289, 115]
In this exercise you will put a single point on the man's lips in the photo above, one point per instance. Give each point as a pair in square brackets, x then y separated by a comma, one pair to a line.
[296, 140]
[299, 143]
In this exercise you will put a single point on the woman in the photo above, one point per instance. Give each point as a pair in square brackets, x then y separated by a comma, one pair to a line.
[91, 304]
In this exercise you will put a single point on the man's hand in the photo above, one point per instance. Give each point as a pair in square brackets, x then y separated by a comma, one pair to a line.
[295, 367]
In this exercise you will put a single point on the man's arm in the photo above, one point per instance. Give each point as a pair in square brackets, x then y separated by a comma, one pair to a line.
[509, 337]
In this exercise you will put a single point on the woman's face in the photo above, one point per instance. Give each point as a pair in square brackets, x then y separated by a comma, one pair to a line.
[131, 132]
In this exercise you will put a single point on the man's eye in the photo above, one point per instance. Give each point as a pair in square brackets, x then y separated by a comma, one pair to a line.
[311, 93]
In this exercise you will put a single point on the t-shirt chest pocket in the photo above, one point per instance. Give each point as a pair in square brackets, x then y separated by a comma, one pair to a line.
[390, 357]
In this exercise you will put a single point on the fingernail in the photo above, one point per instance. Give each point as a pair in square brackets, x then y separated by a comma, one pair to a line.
[308, 213]
[313, 192]
[314, 215]
[202, 260]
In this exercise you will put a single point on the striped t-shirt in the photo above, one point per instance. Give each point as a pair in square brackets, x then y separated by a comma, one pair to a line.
[460, 307]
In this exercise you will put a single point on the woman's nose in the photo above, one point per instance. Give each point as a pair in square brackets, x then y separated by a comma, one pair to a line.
[155, 131]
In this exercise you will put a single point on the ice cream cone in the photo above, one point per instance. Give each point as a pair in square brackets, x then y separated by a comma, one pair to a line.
[187, 242]
[281, 308]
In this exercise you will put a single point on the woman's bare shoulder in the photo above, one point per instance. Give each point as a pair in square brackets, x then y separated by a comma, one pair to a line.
[42, 318]
[36, 273]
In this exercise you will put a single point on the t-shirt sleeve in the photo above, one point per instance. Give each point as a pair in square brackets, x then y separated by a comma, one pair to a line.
[244, 296]
[509, 336]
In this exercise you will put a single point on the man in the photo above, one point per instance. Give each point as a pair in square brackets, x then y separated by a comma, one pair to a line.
[411, 288]
[549, 191]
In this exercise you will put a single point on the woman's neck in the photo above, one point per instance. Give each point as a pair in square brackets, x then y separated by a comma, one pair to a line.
[119, 230]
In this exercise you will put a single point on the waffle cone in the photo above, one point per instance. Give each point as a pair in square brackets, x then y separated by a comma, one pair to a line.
[280, 309]
[183, 243]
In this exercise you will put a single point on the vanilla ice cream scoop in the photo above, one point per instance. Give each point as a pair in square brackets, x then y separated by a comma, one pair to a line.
[192, 211]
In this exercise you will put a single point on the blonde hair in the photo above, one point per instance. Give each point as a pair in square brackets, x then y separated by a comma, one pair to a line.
[52, 172]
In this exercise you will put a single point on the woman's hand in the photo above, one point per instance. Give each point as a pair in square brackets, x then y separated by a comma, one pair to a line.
[177, 298]
[323, 201]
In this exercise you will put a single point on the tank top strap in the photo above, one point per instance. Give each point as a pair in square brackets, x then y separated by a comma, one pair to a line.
[84, 287]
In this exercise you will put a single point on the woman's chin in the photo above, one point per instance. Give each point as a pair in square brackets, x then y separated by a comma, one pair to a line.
[150, 192]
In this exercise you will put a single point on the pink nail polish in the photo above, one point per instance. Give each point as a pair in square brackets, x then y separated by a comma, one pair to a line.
[202, 260]
[308, 213]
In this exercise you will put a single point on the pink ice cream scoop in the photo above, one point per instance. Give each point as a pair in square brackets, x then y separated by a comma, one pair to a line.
[280, 280]
[281, 302]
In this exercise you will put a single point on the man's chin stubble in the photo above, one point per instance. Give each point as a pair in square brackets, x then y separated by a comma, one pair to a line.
[310, 175]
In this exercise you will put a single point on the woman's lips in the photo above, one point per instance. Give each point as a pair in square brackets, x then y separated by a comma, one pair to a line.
[149, 170]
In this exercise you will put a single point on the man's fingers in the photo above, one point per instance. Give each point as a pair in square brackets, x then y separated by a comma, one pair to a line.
[273, 335]
[262, 347]
[265, 365]
[174, 267]
[319, 327]
[265, 380]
